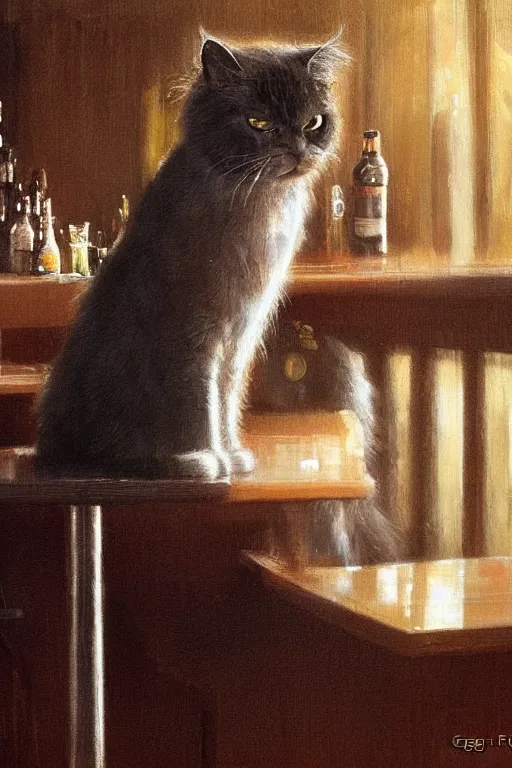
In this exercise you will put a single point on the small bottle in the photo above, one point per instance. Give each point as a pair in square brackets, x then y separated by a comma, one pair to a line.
[11, 168]
[120, 220]
[64, 248]
[370, 181]
[335, 223]
[48, 260]
[22, 242]
[93, 258]
[4, 153]
[36, 201]
[101, 243]
[4, 211]
[7, 212]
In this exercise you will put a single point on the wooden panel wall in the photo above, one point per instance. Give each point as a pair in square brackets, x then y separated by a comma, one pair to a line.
[98, 106]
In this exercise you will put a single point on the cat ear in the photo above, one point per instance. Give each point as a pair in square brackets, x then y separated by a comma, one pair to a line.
[324, 60]
[218, 62]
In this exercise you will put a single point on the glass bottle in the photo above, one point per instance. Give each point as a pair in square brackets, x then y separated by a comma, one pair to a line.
[10, 168]
[3, 206]
[22, 242]
[335, 223]
[36, 220]
[101, 243]
[120, 220]
[79, 244]
[4, 152]
[64, 247]
[370, 180]
[7, 195]
[48, 260]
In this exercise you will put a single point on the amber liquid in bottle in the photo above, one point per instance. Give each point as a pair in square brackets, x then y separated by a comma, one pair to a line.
[370, 185]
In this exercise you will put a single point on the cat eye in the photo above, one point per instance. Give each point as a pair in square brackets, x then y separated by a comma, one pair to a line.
[314, 124]
[259, 124]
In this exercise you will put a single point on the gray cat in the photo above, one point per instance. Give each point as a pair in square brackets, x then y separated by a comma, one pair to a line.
[151, 380]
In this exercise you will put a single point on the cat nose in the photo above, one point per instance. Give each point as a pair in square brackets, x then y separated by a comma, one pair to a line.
[300, 148]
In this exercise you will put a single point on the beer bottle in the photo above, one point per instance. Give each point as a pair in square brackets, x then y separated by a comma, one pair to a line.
[370, 180]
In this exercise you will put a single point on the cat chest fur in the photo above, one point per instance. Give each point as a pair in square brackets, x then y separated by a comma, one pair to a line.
[263, 249]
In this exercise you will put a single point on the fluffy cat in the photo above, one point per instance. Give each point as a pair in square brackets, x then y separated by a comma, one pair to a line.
[151, 379]
[305, 371]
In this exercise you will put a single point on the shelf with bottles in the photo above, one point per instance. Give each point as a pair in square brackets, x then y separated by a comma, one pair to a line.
[32, 240]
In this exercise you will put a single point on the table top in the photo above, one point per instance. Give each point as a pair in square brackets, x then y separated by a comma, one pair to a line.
[299, 457]
[51, 300]
[416, 272]
[414, 609]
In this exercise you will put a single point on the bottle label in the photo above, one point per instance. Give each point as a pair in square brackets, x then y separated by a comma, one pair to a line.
[370, 211]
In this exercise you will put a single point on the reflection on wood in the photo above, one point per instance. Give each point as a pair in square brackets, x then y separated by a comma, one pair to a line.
[309, 455]
[442, 606]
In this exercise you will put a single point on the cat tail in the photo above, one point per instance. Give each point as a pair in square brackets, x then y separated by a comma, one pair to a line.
[362, 534]
[333, 532]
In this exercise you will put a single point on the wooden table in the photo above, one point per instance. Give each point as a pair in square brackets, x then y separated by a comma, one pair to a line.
[299, 457]
[414, 609]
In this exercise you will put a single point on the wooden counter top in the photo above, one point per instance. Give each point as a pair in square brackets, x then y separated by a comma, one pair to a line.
[415, 273]
[33, 302]
[299, 457]
[39, 302]
[414, 609]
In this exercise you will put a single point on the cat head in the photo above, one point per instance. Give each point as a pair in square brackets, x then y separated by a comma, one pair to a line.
[263, 113]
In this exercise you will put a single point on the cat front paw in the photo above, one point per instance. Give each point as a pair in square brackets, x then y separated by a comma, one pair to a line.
[203, 466]
[242, 461]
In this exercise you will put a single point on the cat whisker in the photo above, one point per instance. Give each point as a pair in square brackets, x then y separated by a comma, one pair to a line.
[251, 170]
[240, 165]
[224, 159]
[267, 161]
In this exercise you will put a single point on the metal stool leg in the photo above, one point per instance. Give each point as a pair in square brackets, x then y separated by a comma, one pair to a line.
[86, 670]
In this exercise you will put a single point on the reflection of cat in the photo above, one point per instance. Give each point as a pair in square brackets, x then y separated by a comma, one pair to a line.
[304, 371]
[151, 378]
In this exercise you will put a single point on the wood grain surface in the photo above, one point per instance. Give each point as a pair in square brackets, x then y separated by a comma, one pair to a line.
[415, 609]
